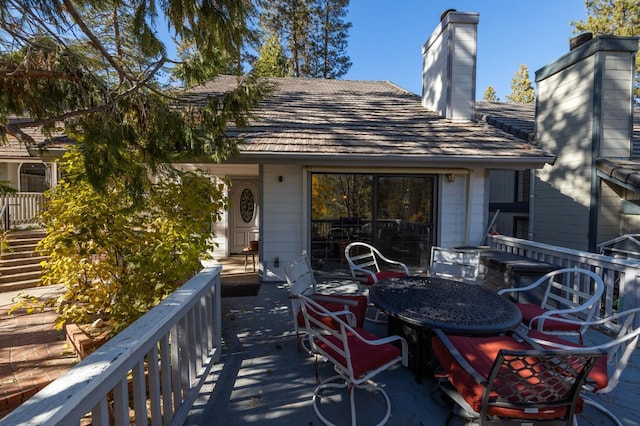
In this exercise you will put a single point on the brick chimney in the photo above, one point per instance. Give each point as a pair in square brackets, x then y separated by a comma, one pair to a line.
[449, 66]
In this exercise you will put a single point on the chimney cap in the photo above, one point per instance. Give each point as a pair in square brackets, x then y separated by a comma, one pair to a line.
[579, 40]
[445, 13]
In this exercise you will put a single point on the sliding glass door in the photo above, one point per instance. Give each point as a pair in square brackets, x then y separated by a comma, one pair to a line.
[393, 212]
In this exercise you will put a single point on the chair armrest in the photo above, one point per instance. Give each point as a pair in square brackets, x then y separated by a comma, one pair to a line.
[336, 300]
[556, 316]
[395, 262]
[389, 339]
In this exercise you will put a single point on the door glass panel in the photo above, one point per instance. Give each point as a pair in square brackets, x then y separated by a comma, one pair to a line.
[340, 206]
[404, 214]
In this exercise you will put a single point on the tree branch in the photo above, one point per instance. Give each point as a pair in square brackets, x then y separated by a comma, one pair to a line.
[36, 74]
[77, 113]
[95, 41]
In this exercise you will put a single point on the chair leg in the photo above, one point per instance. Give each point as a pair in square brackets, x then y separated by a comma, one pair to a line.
[339, 382]
[602, 408]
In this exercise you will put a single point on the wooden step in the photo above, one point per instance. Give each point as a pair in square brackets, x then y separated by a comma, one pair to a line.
[19, 285]
[21, 276]
[21, 260]
[20, 264]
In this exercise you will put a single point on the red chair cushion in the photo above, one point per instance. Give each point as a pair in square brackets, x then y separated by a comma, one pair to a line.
[480, 353]
[383, 275]
[359, 310]
[530, 311]
[599, 374]
[364, 357]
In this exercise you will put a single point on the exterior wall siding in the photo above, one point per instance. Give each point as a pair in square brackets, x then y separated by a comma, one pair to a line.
[463, 73]
[616, 100]
[564, 127]
[457, 227]
[609, 217]
[283, 224]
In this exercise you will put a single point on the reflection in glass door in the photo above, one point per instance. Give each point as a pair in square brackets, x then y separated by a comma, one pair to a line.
[404, 217]
[394, 213]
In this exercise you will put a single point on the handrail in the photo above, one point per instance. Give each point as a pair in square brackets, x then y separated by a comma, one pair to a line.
[4, 217]
[160, 362]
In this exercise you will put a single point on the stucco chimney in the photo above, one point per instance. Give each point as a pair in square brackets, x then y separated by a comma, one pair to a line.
[585, 98]
[449, 66]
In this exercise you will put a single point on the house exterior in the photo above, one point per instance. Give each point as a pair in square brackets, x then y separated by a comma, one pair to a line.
[332, 161]
[584, 115]
[326, 162]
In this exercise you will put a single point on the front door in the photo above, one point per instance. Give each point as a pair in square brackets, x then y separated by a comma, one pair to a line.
[244, 214]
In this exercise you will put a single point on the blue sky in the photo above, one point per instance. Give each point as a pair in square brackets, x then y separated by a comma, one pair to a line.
[385, 42]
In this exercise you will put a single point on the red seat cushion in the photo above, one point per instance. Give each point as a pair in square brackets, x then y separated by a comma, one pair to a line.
[359, 310]
[383, 275]
[530, 311]
[599, 374]
[481, 352]
[364, 357]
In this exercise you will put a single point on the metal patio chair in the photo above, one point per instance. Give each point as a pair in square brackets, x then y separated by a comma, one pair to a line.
[356, 354]
[571, 293]
[369, 266]
[461, 265]
[607, 372]
[508, 380]
[301, 281]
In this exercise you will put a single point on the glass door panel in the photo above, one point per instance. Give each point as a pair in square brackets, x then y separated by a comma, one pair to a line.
[404, 218]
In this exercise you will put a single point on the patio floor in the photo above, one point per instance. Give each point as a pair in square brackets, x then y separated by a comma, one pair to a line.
[263, 378]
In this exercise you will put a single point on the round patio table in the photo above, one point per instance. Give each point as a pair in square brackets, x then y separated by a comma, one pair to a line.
[417, 305]
[452, 306]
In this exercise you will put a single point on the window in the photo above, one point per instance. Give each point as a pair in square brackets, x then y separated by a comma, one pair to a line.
[523, 186]
[521, 227]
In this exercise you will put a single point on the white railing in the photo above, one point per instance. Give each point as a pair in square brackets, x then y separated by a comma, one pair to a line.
[21, 208]
[156, 366]
[621, 277]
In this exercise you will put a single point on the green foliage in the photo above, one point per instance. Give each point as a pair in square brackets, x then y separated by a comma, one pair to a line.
[521, 87]
[271, 61]
[314, 33]
[117, 257]
[613, 17]
[490, 95]
[96, 71]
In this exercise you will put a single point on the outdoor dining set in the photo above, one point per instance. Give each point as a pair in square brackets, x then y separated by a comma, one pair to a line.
[515, 356]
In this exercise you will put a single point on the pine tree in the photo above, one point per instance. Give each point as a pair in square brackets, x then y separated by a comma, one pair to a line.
[313, 32]
[521, 87]
[271, 61]
[613, 17]
[329, 40]
[490, 95]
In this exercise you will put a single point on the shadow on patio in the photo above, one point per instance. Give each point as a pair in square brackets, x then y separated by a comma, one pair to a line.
[264, 379]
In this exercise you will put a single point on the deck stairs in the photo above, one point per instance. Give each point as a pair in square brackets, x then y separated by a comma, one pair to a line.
[20, 264]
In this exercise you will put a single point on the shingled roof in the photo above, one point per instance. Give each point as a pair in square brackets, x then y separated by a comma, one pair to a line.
[316, 122]
[519, 120]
